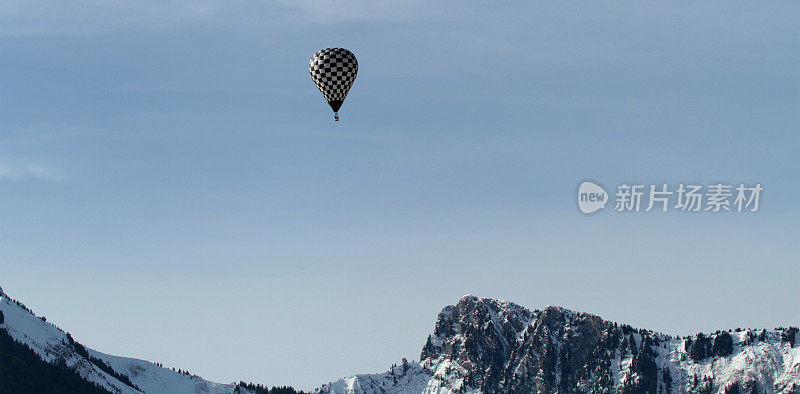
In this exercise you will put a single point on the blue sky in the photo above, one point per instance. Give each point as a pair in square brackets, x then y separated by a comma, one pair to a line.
[173, 188]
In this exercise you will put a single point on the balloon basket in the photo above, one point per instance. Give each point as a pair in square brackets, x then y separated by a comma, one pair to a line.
[335, 116]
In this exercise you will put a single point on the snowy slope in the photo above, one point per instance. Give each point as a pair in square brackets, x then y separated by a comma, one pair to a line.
[52, 344]
[414, 379]
[151, 378]
[483, 345]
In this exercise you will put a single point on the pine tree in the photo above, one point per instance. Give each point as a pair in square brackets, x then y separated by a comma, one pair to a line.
[632, 344]
[723, 344]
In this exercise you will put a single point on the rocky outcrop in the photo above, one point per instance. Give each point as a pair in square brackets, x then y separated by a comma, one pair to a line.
[491, 346]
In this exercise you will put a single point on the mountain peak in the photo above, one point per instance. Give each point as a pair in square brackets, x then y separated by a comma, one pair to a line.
[115, 374]
[487, 345]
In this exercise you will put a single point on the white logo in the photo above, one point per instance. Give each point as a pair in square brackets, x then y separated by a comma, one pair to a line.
[686, 197]
[591, 197]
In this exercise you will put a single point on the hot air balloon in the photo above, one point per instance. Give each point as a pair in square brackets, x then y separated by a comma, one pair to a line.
[333, 70]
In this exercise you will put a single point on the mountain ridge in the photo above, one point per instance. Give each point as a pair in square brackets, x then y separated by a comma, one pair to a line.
[483, 345]
[487, 345]
[115, 374]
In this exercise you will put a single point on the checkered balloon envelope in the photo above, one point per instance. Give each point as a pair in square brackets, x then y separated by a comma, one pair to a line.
[333, 70]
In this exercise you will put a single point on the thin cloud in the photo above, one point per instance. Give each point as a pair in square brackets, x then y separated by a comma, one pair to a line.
[11, 172]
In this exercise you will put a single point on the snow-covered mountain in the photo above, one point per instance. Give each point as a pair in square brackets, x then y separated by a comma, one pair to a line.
[480, 345]
[483, 345]
[115, 374]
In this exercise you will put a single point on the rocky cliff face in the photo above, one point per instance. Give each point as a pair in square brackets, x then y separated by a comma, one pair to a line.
[489, 346]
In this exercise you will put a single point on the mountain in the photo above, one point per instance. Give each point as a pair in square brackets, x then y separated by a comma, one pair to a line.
[482, 345]
[479, 345]
[36, 356]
